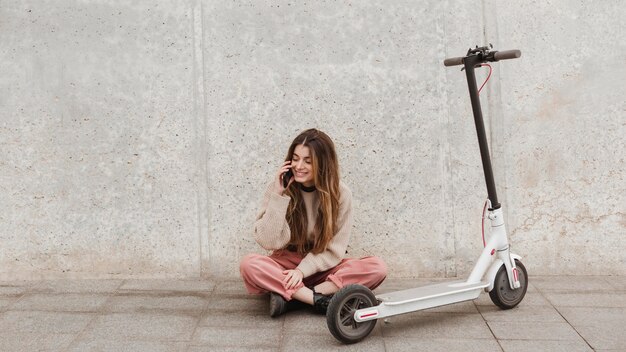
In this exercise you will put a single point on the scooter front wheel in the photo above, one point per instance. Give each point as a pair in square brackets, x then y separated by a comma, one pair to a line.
[340, 313]
[502, 295]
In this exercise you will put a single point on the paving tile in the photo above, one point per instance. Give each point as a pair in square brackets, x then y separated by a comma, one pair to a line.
[571, 283]
[19, 283]
[13, 290]
[232, 349]
[78, 286]
[112, 345]
[305, 322]
[614, 299]
[435, 325]
[603, 335]
[442, 345]
[230, 337]
[43, 322]
[5, 302]
[141, 326]
[241, 319]
[230, 287]
[142, 303]
[23, 342]
[246, 303]
[4, 281]
[461, 307]
[531, 287]
[544, 346]
[60, 302]
[590, 315]
[203, 286]
[533, 331]
[322, 343]
[521, 313]
[617, 282]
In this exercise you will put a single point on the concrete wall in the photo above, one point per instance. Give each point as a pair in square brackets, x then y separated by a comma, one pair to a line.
[137, 137]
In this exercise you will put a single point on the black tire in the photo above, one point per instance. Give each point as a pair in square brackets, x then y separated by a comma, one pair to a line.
[340, 313]
[502, 295]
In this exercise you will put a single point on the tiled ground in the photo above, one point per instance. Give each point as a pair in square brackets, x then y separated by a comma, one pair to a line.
[558, 314]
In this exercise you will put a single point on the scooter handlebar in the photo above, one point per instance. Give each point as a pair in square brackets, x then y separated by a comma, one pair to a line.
[507, 54]
[453, 61]
[497, 56]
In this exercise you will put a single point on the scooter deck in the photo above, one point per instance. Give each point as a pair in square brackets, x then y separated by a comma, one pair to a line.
[458, 289]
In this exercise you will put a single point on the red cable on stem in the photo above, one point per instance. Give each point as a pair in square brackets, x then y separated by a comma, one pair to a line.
[488, 76]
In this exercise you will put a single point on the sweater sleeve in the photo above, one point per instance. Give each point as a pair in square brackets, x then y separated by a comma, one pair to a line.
[271, 230]
[336, 249]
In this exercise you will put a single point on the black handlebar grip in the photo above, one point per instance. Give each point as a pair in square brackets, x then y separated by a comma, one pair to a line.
[453, 61]
[507, 54]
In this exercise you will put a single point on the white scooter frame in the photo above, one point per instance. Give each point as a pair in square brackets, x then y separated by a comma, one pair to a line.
[491, 259]
[352, 310]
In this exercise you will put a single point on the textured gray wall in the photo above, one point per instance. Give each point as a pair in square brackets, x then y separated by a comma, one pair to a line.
[137, 137]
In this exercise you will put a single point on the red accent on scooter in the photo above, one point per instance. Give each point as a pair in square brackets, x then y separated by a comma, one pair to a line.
[368, 315]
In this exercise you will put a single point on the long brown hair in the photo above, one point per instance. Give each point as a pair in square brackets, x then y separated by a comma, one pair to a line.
[326, 177]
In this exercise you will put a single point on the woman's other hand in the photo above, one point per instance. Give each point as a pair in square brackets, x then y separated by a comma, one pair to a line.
[292, 278]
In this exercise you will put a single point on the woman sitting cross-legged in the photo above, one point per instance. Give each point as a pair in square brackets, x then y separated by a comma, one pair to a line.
[307, 226]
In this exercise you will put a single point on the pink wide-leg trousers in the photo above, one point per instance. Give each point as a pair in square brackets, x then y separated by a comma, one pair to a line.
[263, 274]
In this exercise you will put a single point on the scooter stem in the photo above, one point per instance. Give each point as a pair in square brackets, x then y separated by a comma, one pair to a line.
[470, 63]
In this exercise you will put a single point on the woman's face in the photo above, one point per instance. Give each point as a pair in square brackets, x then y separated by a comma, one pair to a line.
[302, 166]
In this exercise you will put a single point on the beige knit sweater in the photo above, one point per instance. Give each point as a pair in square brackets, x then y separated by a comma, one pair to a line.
[271, 230]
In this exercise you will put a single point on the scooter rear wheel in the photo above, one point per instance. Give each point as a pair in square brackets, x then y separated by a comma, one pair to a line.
[340, 313]
[502, 295]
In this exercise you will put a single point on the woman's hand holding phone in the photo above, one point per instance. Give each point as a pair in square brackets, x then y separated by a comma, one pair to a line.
[284, 177]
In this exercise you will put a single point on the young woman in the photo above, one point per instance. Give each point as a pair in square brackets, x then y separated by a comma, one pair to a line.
[307, 226]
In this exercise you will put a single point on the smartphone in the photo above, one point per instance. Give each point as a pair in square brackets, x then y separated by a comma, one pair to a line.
[286, 177]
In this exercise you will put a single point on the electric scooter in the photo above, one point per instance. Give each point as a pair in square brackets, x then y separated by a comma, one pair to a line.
[354, 310]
